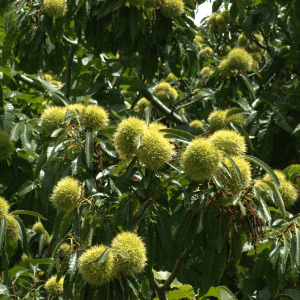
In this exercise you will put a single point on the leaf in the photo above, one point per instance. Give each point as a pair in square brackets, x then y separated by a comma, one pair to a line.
[293, 264]
[244, 133]
[226, 294]
[7, 73]
[103, 256]
[237, 243]
[8, 44]
[27, 187]
[219, 183]
[27, 212]
[277, 195]
[284, 252]
[8, 116]
[31, 98]
[249, 85]
[3, 289]
[264, 166]
[164, 230]
[179, 133]
[16, 131]
[263, 204]
[237, 170]
[273, 281]
[23, 235]
[297, 246]
[295, 294]
[2, 231]
[184, 291]
[120, 167]
[89, 148]
[280, 119]
[210, 263]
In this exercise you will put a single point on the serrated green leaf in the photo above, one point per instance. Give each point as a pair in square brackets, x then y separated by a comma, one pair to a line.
[226, 294]
[23, 235]
[237, 170]
[263, 204]
[26, 188]
[8, 116]
[89, 148]
[277, 195]
[2, 231]
[179, 133]
[164, 230]
[27, 212]
[264, 166]
[297, 246]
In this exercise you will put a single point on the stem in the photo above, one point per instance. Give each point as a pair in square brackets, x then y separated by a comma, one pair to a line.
[69, 69]
[162, 108]
[29, 82]
[178, 266]
[162, 289]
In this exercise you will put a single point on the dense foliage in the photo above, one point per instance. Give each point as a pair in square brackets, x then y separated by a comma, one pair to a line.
[143, 157]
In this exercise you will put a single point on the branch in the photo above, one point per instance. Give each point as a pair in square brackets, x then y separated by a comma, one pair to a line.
[162, 108]
[187, 104]
[73, 43]
[178, 266]
[256, 41]
[29, 82]
[288, 36]
[71, 54]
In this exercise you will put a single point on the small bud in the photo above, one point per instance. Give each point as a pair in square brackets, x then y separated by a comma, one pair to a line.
[6, 145]
[39, 228]
[208, 51]
[130, 253]
[66, 249]
[196, 124]
[199, 39]
[66, 193]
[170, 77]
[243, 41]
[205, 71]
[142, 104]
